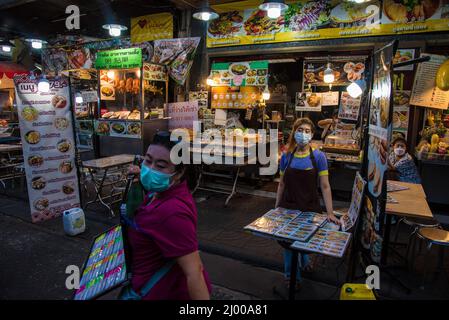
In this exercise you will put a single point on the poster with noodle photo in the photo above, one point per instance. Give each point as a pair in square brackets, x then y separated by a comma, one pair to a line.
[46, 127]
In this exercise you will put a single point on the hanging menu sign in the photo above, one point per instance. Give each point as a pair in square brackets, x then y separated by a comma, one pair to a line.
[119, 59]
[243, 23]
[380, 129]
[349, 107]
[48, 147]
[254, 73]
[425, 93]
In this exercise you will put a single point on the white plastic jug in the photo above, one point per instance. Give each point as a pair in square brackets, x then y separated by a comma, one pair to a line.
[74, 221]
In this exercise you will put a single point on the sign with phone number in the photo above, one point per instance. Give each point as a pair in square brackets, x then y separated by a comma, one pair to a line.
[119, 59]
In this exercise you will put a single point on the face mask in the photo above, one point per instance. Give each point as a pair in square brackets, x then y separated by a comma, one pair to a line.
[153, 180]
[399, 151]
[302, 138]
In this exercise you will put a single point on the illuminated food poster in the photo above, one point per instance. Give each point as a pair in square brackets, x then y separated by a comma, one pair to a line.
[349, 107]
[48, 147]
[249, 73]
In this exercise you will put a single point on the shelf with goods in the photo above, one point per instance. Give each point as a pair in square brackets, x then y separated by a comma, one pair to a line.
[434, 144]
[132, 108]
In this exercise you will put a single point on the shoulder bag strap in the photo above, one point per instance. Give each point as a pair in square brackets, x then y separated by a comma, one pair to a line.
[156, 277]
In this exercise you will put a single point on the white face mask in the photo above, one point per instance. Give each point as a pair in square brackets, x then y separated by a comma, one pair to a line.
[399, 151]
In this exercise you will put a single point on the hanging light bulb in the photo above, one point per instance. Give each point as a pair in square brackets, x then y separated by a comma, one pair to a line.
[6, 45]
[43, 85]
[205, 13]
[329, 74]
[111, 74]
[266, 93]
[79, 98]
[115, 30]
[356, 88]
[210, 81]
[273, 8]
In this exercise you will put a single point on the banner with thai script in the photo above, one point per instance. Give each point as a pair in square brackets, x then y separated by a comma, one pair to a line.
[46, 127]
[243, 23]
[152, 27]
[182, 115]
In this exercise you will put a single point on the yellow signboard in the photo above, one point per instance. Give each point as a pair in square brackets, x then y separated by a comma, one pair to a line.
[152, 27]
[243, 23]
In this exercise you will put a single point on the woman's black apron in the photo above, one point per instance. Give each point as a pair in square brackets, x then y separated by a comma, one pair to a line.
[301, 187]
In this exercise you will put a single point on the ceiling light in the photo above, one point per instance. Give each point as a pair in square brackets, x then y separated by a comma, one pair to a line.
[43, 85]
[356, 88]
[266, 94]
[329, 74]
[6, 45]
[205, 13]
[273, 8]
[359, 1]
[115, 30]
[36, 43]
[110, 74]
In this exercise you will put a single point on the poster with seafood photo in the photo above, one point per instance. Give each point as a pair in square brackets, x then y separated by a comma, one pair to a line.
[379, 133]
[48, 147]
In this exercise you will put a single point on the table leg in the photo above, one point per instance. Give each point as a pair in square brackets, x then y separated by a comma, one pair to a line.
[293, 275]
[386, 241]
[234, 187]
[199, 180]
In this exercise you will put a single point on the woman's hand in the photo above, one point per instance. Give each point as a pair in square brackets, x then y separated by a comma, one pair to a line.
[134, 170]
[332, 218]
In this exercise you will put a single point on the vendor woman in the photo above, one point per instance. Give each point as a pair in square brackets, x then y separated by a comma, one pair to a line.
[165, 262]
[302, 170]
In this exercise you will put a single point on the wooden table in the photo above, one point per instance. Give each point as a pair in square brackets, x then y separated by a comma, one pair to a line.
[104, 164]
[412, 203]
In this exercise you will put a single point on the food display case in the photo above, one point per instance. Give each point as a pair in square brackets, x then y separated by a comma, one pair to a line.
[85, 102]
[434, 145]
[132, 108]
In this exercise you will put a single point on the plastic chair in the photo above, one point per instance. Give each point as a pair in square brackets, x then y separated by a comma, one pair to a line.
[437, 237]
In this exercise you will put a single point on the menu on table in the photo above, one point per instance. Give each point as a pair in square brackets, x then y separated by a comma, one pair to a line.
[297, 231]
[311, 218]
[331, 243]
[46, 127]
[272, 221]
[105, 267]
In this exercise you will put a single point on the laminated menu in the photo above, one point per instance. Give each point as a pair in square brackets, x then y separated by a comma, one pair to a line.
[272, 221]
[297, 231]
[311, 218]
[392, 187]
[331, 243]
[105, 267]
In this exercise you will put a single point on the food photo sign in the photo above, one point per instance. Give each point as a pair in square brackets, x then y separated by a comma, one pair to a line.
[379, 133]
[308, 101]
[254, 73]
[244, 23]
[46, 127]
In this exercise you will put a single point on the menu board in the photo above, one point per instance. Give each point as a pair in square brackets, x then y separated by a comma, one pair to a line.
[327, 242]
[235, 97]
[401, 111]
[154, 72]
[345, 70]
[201, 96]
[253, 73]
[46, 127]
[243, 23]
[308, 101]
[105, 267]
[356, 203]
[330, 98]
[272, 221]
[349, 107]
[404, 55]
[379, 134]
[425, 93]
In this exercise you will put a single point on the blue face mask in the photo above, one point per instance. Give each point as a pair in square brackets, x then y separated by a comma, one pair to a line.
[153, 180]
[302, 138]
